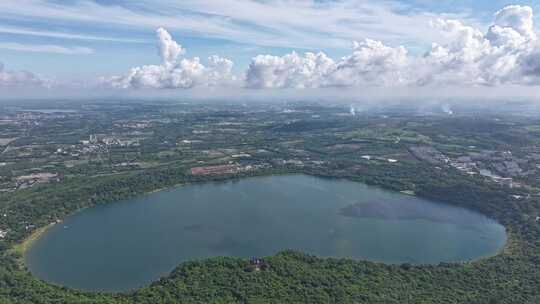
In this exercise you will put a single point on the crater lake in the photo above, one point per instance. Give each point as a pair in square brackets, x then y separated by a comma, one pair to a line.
[128, 244]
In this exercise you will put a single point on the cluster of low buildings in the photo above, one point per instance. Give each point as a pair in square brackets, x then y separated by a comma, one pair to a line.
[135, 124]
[258, 264]
[288, 162]
[500, 166]
[247, 165]
[110, 140]
[96, 144]
[27, 181]
[380, 158]
[215, 170]
[429, 155]
[230, 168]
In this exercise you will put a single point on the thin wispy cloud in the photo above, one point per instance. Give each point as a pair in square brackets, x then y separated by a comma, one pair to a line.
[46, 48]
[284, 23]
[52, 34]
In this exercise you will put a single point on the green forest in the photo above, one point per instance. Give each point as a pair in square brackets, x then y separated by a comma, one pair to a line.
[513, 276]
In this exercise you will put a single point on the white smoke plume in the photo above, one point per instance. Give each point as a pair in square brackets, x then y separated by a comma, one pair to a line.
[447, 109]
[353, 111]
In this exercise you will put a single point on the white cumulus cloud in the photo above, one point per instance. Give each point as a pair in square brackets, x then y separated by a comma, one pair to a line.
[169, 50]
[517, 18]
[10, 79]
[175, 71]
[291, 71]
[371, 62]
[497, 57]
[508, 53]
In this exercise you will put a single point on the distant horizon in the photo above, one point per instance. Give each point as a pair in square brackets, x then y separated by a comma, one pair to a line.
[330, 95]
[465, 107]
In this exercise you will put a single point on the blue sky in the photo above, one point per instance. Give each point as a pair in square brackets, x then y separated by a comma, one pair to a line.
[83, 39]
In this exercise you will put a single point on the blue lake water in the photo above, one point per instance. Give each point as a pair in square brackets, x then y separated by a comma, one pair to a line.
[128, 244]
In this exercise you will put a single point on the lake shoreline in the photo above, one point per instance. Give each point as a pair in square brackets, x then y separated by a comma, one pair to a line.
[22, 247]
[331, 192]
